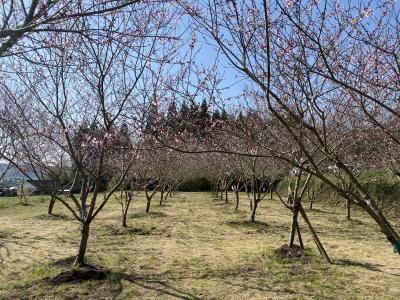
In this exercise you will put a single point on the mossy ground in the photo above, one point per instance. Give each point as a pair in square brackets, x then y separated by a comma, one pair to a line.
[194, 247]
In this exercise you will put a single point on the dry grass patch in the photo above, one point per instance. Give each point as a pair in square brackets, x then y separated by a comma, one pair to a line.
[194, 247]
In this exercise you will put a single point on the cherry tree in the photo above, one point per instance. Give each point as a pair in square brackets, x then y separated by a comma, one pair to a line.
[288, 54]
[358, 55]
[24, 23]
[87, 95]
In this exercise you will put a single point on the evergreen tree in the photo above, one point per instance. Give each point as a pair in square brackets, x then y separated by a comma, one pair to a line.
[172, 112]
[216, 115]
[183, 117]
[123, 139]
[204, 118]
[172, 119]
[240, 116]
[224, 114]
[185, 112]
[152, 119]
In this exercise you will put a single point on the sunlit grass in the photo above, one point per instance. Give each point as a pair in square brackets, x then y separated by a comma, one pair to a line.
[194, 247]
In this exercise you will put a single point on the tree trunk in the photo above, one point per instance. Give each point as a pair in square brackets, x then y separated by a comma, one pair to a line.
[161, 197]
[226, 195]
[314, 234]
[222, 194]
[148, 204]
[311, 204]
[348, 205]
[125, 207]
[253, 211]
[51, 205]
[23, 196]
[237, 199]
[216, 191]
[124, 215]
[299, 236]
[80, 258]
[293, 227]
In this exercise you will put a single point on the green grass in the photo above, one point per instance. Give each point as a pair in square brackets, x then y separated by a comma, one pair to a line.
[194, 247]
[4, 233]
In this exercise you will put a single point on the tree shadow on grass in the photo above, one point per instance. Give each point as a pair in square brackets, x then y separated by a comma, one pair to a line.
[55, 217]
[79, 275]
[63, 262]
[247, 224]
[71, 274]
[113, 230]
[322, 211]
[261, 288]
[164, 204]
[157, 285]
[161, 283]
[365, 265]
[255, 227]
[89, 272]
[353, 263]
[164, 284]
[157, 214]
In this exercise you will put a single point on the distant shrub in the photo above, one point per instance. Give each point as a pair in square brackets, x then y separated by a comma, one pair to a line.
[381, 184]
[384, 187]
[196, 184]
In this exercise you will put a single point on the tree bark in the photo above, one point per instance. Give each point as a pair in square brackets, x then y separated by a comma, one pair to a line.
[348, 205]
[299, 236]
[125, 213]
[314, 235]
[148, 205]
[80, 258]
[51, 205]
[293, 227]
[237, 199]
[216, 191]
[161, 197]
[253, 211]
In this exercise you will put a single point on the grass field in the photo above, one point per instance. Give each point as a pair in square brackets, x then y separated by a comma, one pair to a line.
[194, 247]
